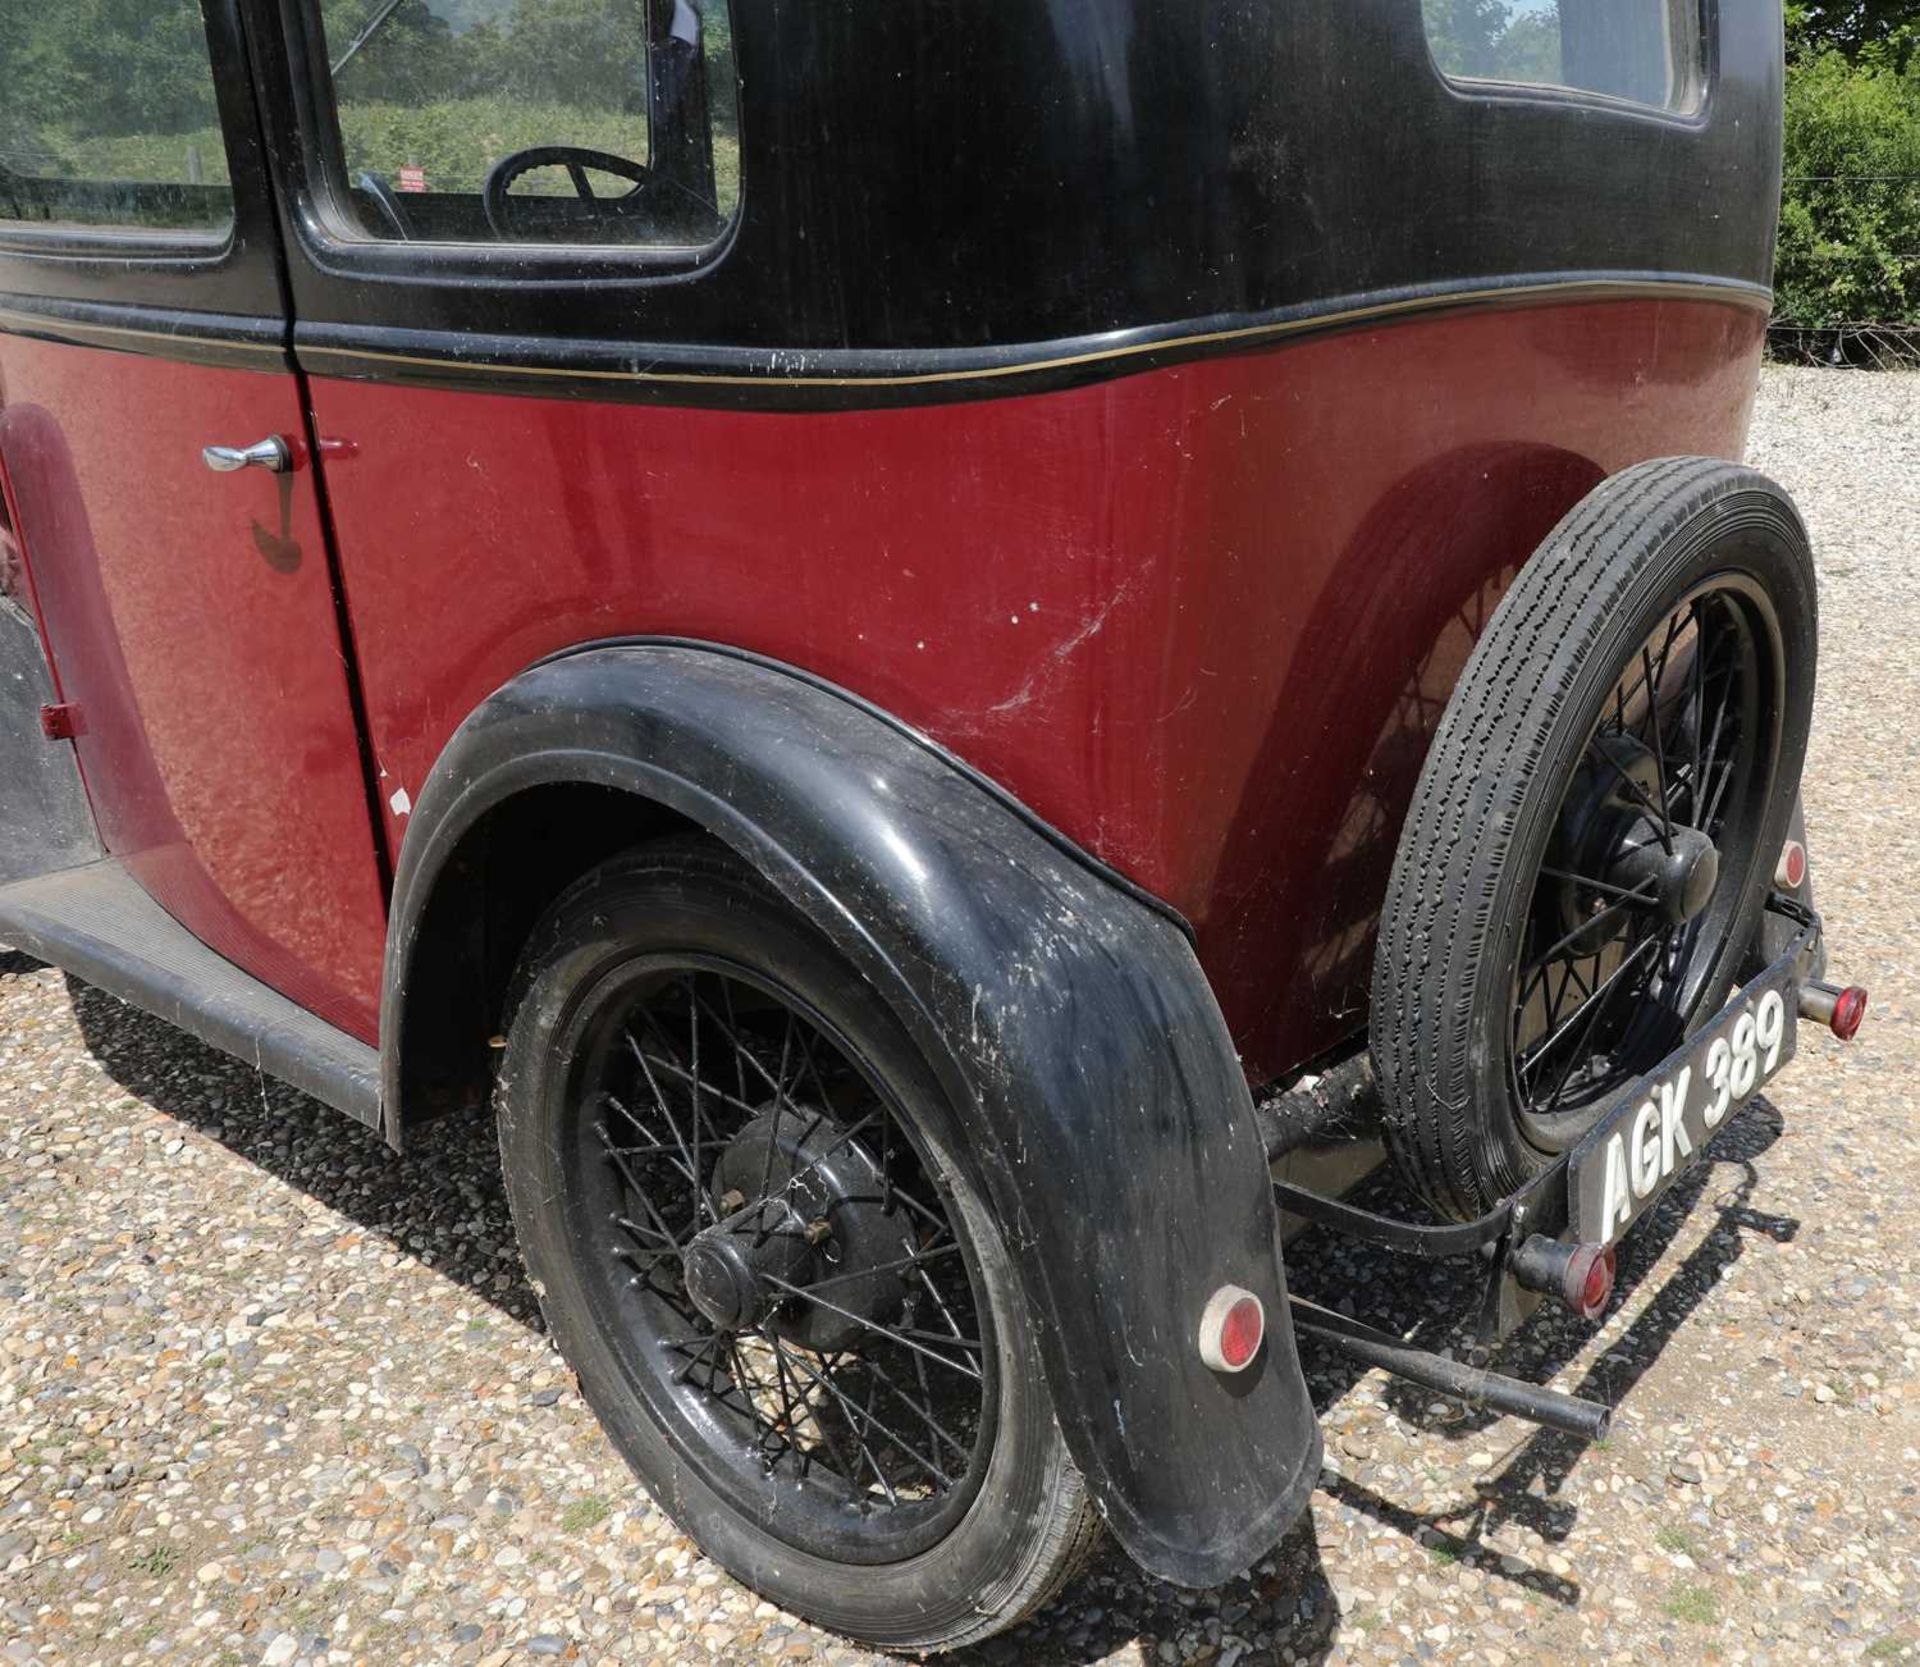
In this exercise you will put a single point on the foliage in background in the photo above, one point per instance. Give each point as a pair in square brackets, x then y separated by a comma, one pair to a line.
[455, 143]
[1850, 219]
[1887, 31]
[115, 66]
[1494, 40]
[557, 52]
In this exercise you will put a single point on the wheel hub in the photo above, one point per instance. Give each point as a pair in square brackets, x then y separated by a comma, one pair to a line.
[779, 1265]
[798, 1202]
[1682, 879]
[1612, 828]
[723, 1273]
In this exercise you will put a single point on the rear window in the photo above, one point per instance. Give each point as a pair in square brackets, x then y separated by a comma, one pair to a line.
[1643, 51]
[533, 121]
[107, 118]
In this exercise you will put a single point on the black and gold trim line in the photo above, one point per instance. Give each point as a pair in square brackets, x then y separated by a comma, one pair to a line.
[677, 373]
[190, 337]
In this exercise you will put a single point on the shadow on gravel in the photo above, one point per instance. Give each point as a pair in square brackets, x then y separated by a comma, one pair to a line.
[443, 1202]
[1435, 1305]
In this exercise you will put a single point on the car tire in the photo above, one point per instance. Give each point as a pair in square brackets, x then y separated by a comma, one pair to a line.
[1027, 1526]
[1521, 772]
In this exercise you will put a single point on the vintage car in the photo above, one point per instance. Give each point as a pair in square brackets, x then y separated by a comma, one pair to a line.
[958, 657]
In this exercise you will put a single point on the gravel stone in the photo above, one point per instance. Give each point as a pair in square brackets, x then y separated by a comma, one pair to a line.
[270, 1394]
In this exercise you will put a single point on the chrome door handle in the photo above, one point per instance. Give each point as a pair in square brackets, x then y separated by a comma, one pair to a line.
[272, 454]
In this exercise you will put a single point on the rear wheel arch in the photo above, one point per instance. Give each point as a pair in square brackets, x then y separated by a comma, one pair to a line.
[464, 935]
[1084, 1055]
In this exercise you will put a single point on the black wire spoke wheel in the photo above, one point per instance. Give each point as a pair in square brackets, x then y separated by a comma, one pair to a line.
[736, 1185]
[779, 1261]
[1582, 872]
[1623, 925]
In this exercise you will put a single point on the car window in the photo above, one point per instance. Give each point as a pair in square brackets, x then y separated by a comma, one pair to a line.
[533, 121]
[107, 118]
[1647, 51]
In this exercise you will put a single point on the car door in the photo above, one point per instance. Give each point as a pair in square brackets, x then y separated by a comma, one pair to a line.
[186, 594]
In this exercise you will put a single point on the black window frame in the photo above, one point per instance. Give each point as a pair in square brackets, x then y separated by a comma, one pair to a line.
[1695, 113]
[312, 172]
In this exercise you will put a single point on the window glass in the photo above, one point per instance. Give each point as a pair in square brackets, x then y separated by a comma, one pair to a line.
[107, 117]
[535, 121]
[1644, 50]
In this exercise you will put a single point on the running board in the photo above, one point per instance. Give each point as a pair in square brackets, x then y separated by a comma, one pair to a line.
[96, 922]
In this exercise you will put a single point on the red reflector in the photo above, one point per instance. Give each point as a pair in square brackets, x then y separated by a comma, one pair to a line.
[1791, 871]
[1232, 1327]
[1849, 1008]
[1589, 1280]
[1600, 1282]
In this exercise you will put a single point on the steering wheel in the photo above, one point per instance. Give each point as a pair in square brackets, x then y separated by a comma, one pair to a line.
[387, 203]
[574, 158]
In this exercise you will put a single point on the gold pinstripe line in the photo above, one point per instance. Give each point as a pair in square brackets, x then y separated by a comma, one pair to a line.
[1617, 288]
[1249, 333]
[12, 318]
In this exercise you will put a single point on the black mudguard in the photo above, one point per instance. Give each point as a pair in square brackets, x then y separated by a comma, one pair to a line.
[1091, 1078]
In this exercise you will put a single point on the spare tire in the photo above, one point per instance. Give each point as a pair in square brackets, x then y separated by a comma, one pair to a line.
[1596, 825]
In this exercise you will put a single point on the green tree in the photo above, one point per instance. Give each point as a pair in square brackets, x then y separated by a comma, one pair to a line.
[588, 53]
[106, 67]
[1531, 48]
[411, 55]
[1498, 40]
[1884, 31]
[1466, 34]
[1850, 223]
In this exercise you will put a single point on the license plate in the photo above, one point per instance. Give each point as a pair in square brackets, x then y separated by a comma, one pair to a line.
[1663, 1124]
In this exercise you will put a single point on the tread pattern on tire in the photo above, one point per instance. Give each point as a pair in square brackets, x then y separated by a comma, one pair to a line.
[1441, 897]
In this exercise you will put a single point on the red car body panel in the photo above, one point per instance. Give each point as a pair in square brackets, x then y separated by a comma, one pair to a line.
[1201, 618]
[192, 628]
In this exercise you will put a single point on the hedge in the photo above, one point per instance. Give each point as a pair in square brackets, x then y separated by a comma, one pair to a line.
[1850, 219]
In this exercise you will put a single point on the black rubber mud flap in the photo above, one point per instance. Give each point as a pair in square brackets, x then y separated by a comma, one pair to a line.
[1094, 1084]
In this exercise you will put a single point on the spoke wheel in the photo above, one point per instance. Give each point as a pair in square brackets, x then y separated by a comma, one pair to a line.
[1652, 844]
[780, 1264]
[1588, 850]
[735, 1182]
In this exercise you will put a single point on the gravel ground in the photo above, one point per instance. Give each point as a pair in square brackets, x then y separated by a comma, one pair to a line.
[268, 1394]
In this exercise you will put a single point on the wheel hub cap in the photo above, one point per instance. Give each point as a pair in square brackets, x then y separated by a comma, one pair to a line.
[723, 1278]
[798, 1201]
[1682, 879]
[1612, 827]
